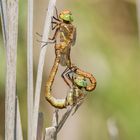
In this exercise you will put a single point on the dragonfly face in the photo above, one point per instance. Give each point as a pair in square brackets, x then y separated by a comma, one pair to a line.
[66, 15]
[80, 81]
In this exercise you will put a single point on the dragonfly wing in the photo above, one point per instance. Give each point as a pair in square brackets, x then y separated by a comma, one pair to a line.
[74, 37]
[65, 57]
[77, 106]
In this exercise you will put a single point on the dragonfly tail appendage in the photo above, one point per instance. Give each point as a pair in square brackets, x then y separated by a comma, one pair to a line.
[92, 79]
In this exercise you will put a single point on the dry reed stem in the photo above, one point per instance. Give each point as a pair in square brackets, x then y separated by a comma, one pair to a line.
[3, 19]
[11, 59]
[30, 68]
[18, 126]
[47, 26]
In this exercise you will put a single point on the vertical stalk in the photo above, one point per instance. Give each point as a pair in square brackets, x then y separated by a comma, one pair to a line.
[30, 68]
[11, 59]
[47, 26]
[138, 17]
[50, 133]
[18, 126]
[40, 126]
[3, 19]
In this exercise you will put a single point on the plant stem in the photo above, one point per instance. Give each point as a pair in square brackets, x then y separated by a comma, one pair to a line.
[30, 68]
[11, 59]
[47, 26]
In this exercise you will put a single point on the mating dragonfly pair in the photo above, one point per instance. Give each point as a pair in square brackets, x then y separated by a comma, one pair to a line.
[78, 80]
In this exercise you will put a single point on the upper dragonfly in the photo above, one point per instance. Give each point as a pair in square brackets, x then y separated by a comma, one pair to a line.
[64, 35]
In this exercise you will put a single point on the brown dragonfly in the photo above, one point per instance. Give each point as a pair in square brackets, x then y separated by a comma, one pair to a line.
[64, 37]
[78, 84]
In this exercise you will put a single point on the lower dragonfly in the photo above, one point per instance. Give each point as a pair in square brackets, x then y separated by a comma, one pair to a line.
[78, 84]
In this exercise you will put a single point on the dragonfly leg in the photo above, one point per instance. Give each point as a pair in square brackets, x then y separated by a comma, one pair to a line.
[46, 43]
[70, 77]
[66, 74]
[52, 23]
[64, 78]
[38, 34]
[57, 19]
[56, 24]
[55, 34]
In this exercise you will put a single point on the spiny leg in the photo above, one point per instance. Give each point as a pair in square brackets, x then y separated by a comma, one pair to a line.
[64, 78]
[55, 34]
[54, 27]
[52, 23]
[38, 34]
[46, 43]
[53, 38]
[67, 73]
[71, 78]
[56, 18]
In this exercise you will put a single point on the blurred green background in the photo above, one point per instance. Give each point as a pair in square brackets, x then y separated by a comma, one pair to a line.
[107, 46]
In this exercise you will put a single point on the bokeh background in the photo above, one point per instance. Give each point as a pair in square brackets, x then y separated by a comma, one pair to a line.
[107, 46]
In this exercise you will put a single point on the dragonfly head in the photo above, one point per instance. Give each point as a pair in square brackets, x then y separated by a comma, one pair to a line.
[80, 81]
[66, 15]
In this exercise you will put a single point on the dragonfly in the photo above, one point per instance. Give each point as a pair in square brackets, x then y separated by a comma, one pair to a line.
[77, 82]
[78, 85]
[64, 37]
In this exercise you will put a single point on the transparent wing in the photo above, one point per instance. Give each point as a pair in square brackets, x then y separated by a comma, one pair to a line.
[77, 106]
[74, 37]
